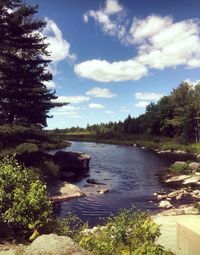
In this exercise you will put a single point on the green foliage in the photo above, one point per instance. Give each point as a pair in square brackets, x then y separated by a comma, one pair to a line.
[129, 232]
[70, 226]
[26, 147]
[24, 204]
[48, 169]
[181, 168]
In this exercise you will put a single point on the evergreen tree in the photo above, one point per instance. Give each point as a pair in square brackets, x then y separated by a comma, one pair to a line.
[24, 99]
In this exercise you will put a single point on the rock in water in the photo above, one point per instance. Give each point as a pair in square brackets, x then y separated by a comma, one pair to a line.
[55, 245]
[75, 162]
[165, 204]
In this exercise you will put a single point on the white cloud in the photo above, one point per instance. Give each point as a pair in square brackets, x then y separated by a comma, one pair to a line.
[50, 84]
[58, 47]
[70, 111]
[109, 18]
[96, 106]
[71, 99]
[142, 104]
[103, 71]
[100, 92]
[164, 43]
[161, 43]
[192, 83]
[109, 112]
[148, 96]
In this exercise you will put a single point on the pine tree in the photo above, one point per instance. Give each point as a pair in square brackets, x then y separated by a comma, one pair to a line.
[24, 99]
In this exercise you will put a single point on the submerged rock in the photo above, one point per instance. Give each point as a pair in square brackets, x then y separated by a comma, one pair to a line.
[62, 191]
[55, 245]
[103, 191]
[94, 181]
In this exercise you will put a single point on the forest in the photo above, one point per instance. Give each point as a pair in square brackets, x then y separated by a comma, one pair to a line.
[174, 116]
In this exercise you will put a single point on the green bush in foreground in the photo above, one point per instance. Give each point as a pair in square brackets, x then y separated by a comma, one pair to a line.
[24, 204]
[128, 233]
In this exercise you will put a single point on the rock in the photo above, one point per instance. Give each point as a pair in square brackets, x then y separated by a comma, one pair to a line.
[192, 180]
[198, 157]
[55, 245]
[103, 191]
[180, 152]
[94, 181]
[143, 147]
[165, 204]
[179, 163]
[175, 179]
[72, 162]
[135, 145]
[194, 166]
[164, 151]
[196, 192]
[62, 191]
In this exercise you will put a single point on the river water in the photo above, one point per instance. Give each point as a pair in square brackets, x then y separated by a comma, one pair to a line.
[131, 174]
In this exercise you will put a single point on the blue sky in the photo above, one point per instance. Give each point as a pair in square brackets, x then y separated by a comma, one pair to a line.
[113, 57]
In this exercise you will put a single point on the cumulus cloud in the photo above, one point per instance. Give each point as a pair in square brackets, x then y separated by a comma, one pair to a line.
[142, 104]
[164, 43]
[70, 111]
[103, 71]
[96, 106]
[100, 92]
[160, 41]
[71, 99]
[58, 48]
[148, 96]
[109, 18]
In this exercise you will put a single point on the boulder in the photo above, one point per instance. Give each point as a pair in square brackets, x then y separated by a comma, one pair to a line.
[180, 152]
[62, 191]
[192, 180]
[176, 179]
[55, 245]
[194, 166]
[72, 162]
[165, 204]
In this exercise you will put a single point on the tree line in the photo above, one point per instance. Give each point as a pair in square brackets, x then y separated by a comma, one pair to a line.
[176, 115]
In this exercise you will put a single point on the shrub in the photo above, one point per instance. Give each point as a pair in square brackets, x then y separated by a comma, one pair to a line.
[180, 168]
[128, 233]
[24, 204]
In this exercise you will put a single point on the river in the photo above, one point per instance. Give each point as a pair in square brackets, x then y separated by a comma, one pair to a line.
[131, 174]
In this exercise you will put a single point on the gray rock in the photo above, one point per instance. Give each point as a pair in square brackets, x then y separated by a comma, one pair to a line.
[194, 166]
[55, 245]
[62, 191]
[72, 162]
[165, 204]
[198, 157]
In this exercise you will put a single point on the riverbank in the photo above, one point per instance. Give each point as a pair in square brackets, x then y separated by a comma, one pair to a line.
[144, 141]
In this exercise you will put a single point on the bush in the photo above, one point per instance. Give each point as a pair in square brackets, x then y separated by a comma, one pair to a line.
[24, 204]
[128, 233]
[180, 168]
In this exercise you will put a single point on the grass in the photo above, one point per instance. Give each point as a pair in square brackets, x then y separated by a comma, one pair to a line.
[147, 141]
